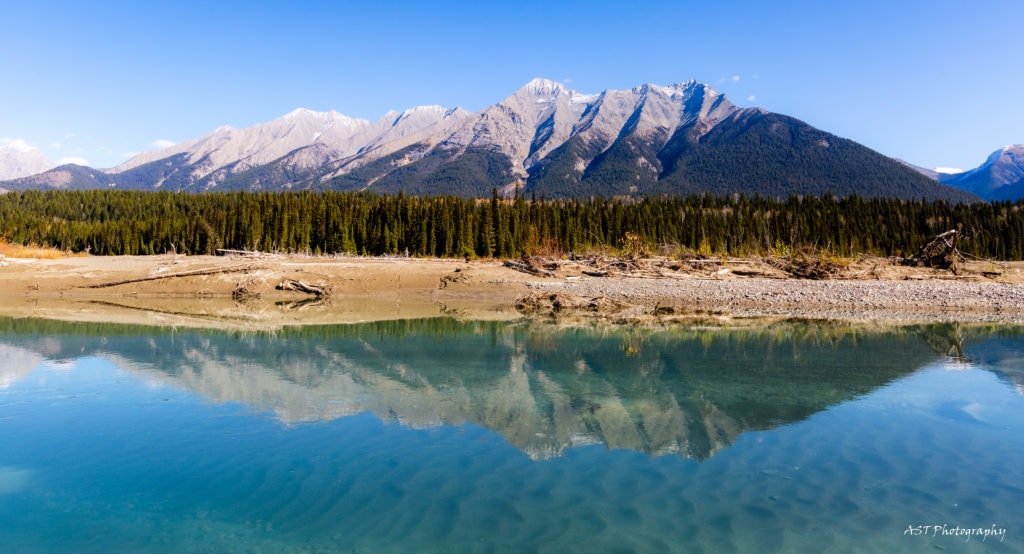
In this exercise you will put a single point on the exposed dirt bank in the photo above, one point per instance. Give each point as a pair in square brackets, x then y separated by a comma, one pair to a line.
[245, 291]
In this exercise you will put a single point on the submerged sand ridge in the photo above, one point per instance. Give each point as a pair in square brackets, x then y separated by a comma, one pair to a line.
[244, 291]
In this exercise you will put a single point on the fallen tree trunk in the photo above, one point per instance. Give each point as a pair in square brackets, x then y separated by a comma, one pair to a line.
[526, 267]
[320, 291]
[247, 253]
[194, 273]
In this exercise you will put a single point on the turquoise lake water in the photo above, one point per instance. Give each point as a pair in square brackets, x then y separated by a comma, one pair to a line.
[448, 436]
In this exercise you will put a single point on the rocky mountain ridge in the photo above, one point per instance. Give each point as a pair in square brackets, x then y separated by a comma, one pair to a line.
[545, 139]
[1000, 177]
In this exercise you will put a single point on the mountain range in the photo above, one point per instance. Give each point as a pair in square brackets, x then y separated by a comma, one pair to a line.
[545, 139]
[1001, 177]
[545, 388]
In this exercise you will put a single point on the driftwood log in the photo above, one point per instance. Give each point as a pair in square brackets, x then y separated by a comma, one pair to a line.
[526, 266]
[246, 253]
[320, 291]
[193, 273]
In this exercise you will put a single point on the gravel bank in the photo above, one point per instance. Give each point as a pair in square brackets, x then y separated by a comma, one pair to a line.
[202, 290]
[904, 300]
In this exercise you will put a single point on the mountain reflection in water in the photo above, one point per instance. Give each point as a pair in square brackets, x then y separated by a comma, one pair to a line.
[684, 391]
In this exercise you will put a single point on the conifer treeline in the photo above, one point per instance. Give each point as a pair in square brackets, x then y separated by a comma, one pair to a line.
[133, 223]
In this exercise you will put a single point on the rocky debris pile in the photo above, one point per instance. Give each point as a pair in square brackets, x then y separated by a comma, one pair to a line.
[941, 252]
[808, 267]
[652, 267]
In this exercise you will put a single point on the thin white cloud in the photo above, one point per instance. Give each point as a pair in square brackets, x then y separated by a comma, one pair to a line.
[55, 146]
[73, 160]
[751, 98]
[160, 144]
[735, 78]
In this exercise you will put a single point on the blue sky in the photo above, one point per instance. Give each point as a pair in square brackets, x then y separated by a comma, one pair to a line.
[935, 82]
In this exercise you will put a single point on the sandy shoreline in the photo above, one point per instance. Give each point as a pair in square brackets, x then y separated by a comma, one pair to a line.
[242, 292]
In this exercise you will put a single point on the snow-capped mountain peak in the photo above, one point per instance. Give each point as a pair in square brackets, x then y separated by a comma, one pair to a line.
[422, 112]
[544, 88]
[526, 126]
[19, 159]
[299, 112]
[545, 137]
[17, 145]
[1008, 164]
[1000, 177]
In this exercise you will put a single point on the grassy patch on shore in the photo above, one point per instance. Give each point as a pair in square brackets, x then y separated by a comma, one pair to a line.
[12, 250]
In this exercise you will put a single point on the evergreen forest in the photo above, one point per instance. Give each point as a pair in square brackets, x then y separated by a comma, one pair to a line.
[117, 222]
